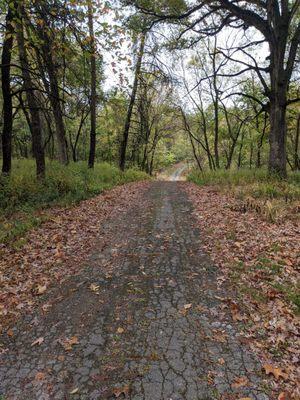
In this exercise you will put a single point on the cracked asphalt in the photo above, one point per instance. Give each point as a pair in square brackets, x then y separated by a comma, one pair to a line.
[144, 320]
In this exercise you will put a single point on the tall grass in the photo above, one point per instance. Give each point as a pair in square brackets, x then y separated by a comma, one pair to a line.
[254, 182]
[21, 194]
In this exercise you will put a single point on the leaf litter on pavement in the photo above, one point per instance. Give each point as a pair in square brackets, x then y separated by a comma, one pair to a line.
[260, 260]
[56, 250]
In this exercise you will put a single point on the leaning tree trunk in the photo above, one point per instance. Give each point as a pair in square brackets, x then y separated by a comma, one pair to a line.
[35, 126]
[6, 93]
[131, 102]
[93, 98]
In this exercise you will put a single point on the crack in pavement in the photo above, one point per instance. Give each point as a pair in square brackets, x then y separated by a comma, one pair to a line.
[155, 329]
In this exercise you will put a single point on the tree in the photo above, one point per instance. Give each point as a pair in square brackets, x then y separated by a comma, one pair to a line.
[132, 100]
[93, 97]
[6, 90]
[29, 88]
[46, 35]
[278, 23]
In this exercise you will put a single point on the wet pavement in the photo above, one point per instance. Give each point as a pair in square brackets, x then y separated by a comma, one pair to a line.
[144, 320]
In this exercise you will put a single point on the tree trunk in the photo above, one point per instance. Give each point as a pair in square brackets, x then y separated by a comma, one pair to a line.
[278, 104]
[6, 93]
[131, 102]
[93, 98]
[216, 130]
[195, 154]
[251, 156]
[239, 163]
[35, 126]
[54, 94]
[56, 107]
[296, 150]
[277, 157]
[216, 106]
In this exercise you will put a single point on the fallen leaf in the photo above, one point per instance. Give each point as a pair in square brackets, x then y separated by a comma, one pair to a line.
[121, 391]
[74, 391]
[94, 288]
[38, 341]
[39, 376]
[41, 289]
[187, 306]
[10, 333]
[240, 382]
[120, 330]
[277, 372]
[68, 343]
[221, 361]
[284, 396]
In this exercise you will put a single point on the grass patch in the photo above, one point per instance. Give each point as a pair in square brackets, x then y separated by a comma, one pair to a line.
[274, 199]
[268, 265]
[257, 295]
[290, 292]
[255, 182]
[21, 195]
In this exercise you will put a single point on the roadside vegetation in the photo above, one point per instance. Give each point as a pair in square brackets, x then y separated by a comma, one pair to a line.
[23, 197]
[272, 198]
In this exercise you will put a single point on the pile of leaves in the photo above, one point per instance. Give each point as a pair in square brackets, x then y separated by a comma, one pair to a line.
[57, 249]
[260, 260]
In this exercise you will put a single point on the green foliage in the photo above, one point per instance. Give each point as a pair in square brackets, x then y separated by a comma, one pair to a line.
[254, 182]
[22, 194]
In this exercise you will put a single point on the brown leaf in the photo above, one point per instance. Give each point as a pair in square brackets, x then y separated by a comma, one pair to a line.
[284, 396]
[120, 330]
[121, 391]
[277, 372]
[240, 382]
[39, 376]
[10, 333]
[68, 343]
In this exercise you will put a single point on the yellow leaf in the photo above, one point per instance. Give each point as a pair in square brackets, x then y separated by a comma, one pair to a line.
[41, 289]
[38, 341]
[94, 288]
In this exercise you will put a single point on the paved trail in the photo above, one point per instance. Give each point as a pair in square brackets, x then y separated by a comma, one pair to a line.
[152, 328]
[176, 176]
